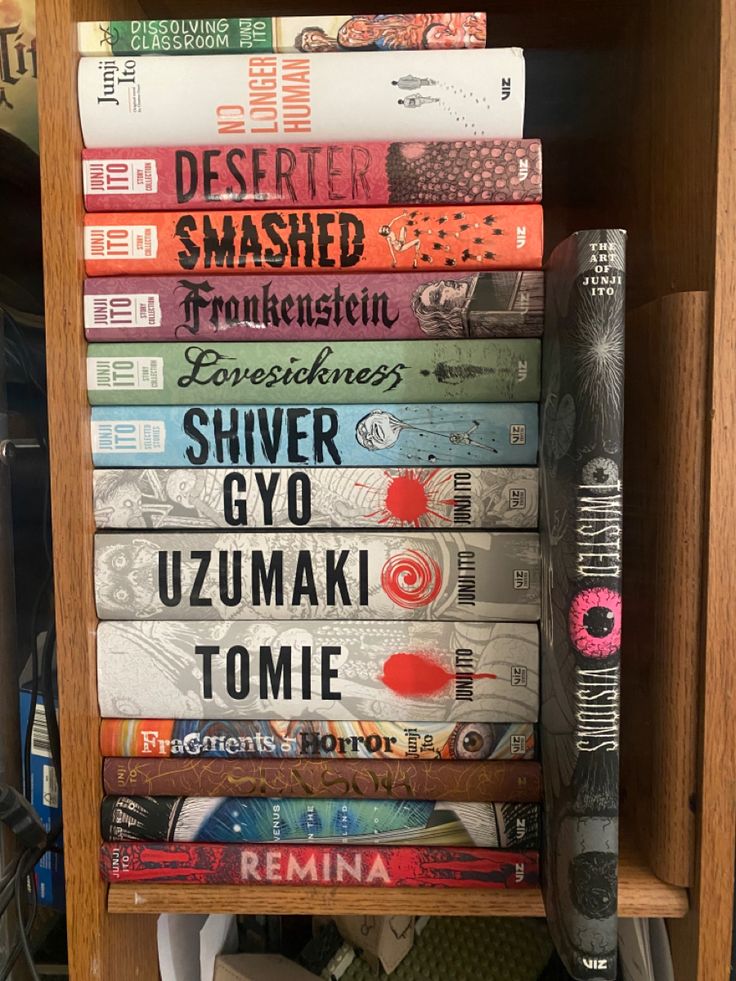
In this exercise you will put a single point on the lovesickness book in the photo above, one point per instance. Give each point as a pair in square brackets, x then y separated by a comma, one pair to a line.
[479, 781]
[301, 98]
[379, 575]
[362, 240]
[312, 33]
[581, 517]
[322, 307]
[440, 672]
[276, 374]
[319, 865]
[368, 435]
[313, 176]
[338, 497]
[301, 820]
[240, 739]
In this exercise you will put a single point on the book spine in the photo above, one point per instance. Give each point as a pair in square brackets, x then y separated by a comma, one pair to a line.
[370, 497]
[319, 865]
[465, 672]
[582, 478]
[304, 98]
[278, 374]
[241, 739]
[345, 307]
[316, 33]
[407, 575]
[322, 175]
[476, 237]
[301, 820]
[369, 435]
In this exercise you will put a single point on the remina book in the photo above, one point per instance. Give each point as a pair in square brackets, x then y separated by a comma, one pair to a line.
[380, 575]
[322, 670]
[338, 497]
[369, 435]
[501, 370]
[301, 98]
[324, 175]
[346, 307]
[581, 518]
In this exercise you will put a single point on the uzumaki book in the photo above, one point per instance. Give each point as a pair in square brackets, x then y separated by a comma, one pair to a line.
[500, 370]
[370, 240]
[311, 33]
[333, 671]
[324, 175]
[369, 435]
[379, 575]
[581, 521]
[322, 307]
[301, 98]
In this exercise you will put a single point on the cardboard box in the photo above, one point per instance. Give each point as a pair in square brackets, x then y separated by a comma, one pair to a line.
[384, 941]
[260, 967]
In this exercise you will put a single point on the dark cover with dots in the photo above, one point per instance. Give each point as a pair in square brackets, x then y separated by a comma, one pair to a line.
[580, 517]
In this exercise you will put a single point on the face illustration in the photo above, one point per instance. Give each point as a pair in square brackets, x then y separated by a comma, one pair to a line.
[314, 39]
[378, 430]
[443, 294]
[182, 488]
[127, 576]
[123, 506]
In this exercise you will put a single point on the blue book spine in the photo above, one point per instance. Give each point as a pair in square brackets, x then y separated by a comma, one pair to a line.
[463, 434]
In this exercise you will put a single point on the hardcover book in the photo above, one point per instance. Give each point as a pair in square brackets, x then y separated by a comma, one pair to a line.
[454, 434]
[300, 820]
[320, 175]
[344, 307]
[362, 240]
[341, 672]
[277, 374]
[368, 497]
[240, 739]
[313, 33]
[319, 865]
[581, 516]
[379, 575]
[476, 781]
[301, 98]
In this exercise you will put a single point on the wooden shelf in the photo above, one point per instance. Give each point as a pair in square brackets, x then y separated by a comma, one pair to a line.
[641, 893]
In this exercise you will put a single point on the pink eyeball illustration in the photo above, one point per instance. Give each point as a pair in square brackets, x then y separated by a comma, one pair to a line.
[594, 622]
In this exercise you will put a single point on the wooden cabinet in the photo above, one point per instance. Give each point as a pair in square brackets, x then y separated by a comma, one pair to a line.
[635, 103]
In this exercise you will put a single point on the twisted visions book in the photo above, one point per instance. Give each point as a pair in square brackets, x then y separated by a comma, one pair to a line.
[321, 175]
[315, 33]
[299, 820]
[240, 739]
[337, 671]
[581, 516]
[301, 98]
[319, 865]
[473, 237]
[345, 307]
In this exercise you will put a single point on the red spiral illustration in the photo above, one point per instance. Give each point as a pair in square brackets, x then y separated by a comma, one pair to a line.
[411, 579]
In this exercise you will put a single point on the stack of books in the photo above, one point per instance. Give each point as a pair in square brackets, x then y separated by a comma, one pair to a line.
[314, 368]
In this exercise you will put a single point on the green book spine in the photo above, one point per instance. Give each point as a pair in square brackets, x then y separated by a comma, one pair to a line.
[210, 35]
[503, 370]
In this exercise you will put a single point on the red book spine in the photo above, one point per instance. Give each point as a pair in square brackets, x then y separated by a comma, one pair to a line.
[362, 240]
[319, 175]
[318, 865]
[450, 780]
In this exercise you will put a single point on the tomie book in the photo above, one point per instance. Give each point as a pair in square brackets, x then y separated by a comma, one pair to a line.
[375, 497]
[380, 575]
[472, 237]
[581, 513]
[369, 435]
[276, 374]
[240, 738]
[441, 672]
[344, 307]
[301, 98]
[319, 865]
[313, 33]
[322, 176]
[224, 819]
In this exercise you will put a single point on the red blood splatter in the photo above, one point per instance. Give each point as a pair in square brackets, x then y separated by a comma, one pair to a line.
[417, 675]
[406, 498]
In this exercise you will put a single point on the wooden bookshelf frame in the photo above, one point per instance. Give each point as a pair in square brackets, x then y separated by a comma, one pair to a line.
[634, 101]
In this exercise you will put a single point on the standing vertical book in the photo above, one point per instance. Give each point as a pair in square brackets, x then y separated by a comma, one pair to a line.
[581, 516]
